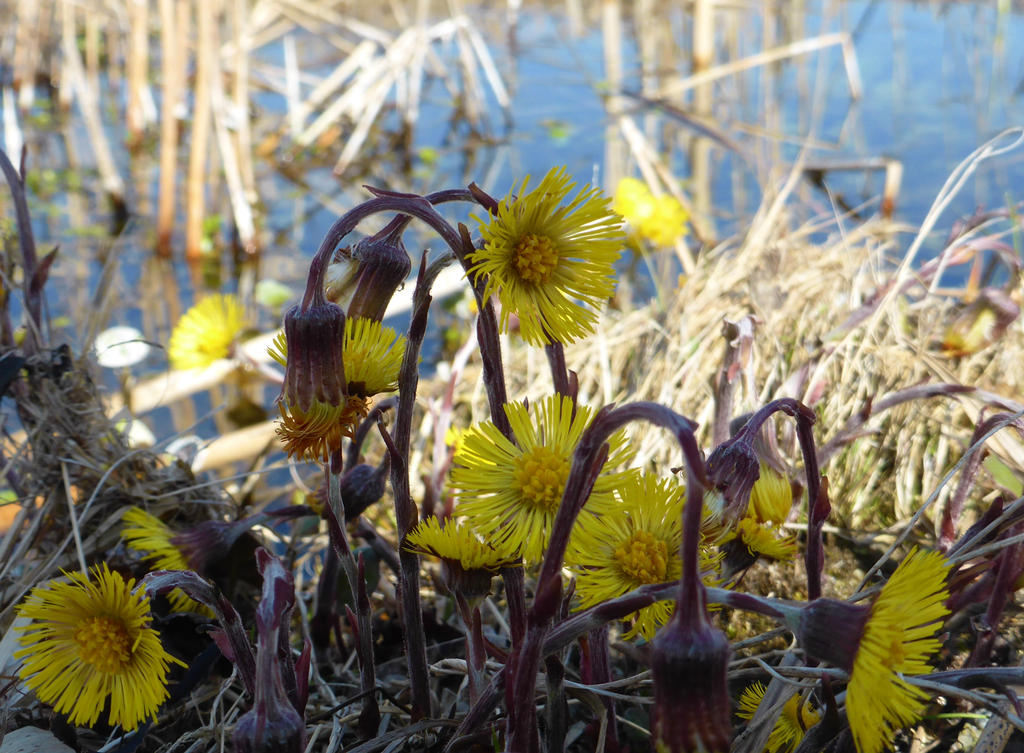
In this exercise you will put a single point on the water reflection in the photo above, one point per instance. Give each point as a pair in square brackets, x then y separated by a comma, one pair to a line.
[713, 107]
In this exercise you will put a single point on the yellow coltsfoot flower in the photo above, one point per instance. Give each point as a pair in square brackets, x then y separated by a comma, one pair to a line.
[630, 542]
[771, 497]
[469, 562]
[880, 645]
[206, 332]
[765, 540]
[511, 490]
[660, 220]
[796, 717]
[89, 643]
[317, 410]
[373, 356]
[549, 263]
[154, 539]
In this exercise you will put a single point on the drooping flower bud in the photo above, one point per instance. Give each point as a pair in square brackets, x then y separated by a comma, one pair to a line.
[365, 276]
[689, 662]
[733, 468]
[316, 409]
[363, 485]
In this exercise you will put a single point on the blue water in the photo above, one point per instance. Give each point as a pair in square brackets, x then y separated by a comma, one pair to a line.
[939, 80]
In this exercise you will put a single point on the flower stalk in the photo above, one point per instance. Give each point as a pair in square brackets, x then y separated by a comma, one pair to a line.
[334, 512]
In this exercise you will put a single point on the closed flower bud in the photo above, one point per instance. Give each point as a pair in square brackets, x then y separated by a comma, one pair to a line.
[367, 275]
[316, 410]
[733, 468]
[362, 486]
[689, 661]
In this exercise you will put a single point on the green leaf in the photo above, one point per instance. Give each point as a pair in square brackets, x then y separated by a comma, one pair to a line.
[272, 294]
[1003, 475]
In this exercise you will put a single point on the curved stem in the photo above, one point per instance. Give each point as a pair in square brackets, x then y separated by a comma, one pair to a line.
[589, 457]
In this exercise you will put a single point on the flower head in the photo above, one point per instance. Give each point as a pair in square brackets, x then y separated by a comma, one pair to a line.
[661, 220]
[89, 642]
[364, 277]
[689, 665]
[795, 718]
[373, 356]
[771, 497]
[881, 644]
[469, 561]
[206, 332]
[631, 542]
[334, 375]
[316, 410]
[550, 263]
[511, 490]
[152, 537]
[764, 540]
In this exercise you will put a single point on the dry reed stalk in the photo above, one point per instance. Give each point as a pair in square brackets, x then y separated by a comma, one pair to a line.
[414, 75]
[292, 88]
[376, 95]
[89, 104]
[207, 13]
[137, 70]
[92, 50]
[14, 140]
[700, 148]
[26, 51]
[472, 99]
[68, 33]
[231, 159]
[236, 446]
[703, 53]
[615, 153]
[172, 71]
[241, 21]
[353, 62]
[801, 47]
[487, 65]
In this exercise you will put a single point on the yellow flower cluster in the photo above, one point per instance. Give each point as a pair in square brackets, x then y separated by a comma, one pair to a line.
[206, 332]
[659, 220]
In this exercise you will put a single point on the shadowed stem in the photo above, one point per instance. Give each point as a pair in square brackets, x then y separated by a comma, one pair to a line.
[31, 282]
[406, 512]
[818, 507]
[572, 629]
[559, 373]
[369, 718]
[476, 654]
